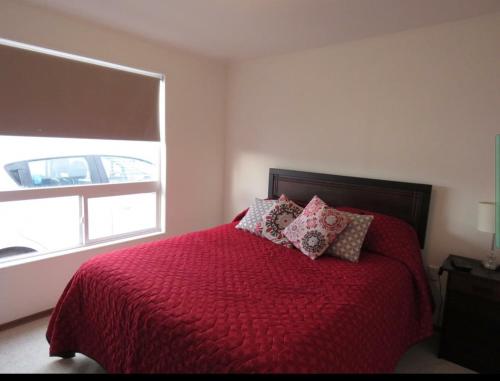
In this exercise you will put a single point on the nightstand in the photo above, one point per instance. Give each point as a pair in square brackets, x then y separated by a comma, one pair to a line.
[470, 332]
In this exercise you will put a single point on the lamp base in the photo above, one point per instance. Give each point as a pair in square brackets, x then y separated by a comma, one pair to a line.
[490, 262]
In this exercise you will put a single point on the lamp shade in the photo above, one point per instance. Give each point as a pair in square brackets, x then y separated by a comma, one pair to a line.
[486, 217]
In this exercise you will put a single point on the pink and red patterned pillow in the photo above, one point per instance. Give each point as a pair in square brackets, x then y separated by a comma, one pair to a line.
[282, 214]
[316, 228]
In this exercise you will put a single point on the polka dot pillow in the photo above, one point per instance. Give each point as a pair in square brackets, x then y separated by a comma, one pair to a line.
[251, 222]
[348, 244]
[282, 214]
[316, 228]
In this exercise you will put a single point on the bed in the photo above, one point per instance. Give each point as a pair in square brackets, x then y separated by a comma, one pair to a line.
[222, 300]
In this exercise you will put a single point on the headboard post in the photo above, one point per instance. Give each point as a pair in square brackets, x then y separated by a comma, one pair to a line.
[407, 201]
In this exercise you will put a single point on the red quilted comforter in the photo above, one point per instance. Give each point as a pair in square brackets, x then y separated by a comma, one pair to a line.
[223, 300]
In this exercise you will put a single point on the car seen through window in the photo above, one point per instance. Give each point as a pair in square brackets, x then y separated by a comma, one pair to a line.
[50, 224]
[79, 170]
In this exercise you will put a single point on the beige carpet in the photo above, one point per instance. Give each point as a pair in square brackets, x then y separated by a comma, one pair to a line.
[23, 349]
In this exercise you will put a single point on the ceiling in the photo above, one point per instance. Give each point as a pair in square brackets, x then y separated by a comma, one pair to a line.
[244, 29]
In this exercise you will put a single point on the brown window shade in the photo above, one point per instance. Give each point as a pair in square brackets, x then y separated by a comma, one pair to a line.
[48, 96]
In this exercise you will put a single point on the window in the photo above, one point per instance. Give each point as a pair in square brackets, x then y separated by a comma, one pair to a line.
[59, 171]
[117, 215]
[62, 202]
[71, 176]
[39, 225]
[122, 169]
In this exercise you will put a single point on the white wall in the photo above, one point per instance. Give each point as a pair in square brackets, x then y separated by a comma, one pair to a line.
[195, 113]
[419, 106]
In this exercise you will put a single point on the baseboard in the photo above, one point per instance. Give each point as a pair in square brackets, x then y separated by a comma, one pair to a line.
[25, 320]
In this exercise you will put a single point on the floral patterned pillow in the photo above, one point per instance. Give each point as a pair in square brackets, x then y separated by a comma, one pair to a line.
[278, 218]
[348, 244]
[251, 222]
[316, 228]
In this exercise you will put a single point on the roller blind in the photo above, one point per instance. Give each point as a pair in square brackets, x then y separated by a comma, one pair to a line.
[48, 96]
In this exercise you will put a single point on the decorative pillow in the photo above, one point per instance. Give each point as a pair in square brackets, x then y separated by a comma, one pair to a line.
[283, 198]
[278, 218]
[251, 222]
[348, 244]
[316, 228]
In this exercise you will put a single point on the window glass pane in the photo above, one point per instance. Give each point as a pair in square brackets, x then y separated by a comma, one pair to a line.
[46, 162]
[60, 171]
[42, 225]
[124, 169]
[114, 215]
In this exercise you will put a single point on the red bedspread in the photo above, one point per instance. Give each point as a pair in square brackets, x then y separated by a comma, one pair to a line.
[223, 300]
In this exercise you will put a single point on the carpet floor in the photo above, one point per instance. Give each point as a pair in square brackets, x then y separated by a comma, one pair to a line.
[24, 349]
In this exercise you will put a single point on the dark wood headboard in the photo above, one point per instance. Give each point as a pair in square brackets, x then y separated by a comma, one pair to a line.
[407, 201]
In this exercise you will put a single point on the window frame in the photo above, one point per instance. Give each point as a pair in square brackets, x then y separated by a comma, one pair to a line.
[86, 192]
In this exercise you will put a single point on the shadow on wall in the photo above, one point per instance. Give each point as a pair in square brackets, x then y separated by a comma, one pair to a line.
[441, 240]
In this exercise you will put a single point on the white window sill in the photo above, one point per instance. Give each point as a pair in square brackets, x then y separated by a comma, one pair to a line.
[94, 249]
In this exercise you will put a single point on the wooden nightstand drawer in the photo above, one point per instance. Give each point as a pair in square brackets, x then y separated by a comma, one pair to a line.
[470, 305]
[472, 319]
[467, 284]
[470, 332]
[472, 355]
